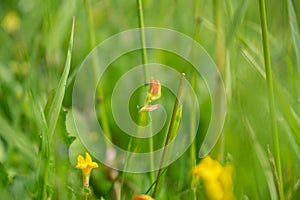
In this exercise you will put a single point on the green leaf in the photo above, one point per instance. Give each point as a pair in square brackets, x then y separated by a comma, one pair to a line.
[177, 121]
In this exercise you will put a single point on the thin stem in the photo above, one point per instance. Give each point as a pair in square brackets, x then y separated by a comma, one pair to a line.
[220, 59]
[193, 145]
[88, 8]
[169, 131]
[125, 167]
[142, 36]
[197, 4]
[269, 78]
[220, 53]
[144, 61]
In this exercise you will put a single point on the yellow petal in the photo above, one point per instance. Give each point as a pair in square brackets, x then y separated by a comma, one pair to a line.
[88, 158]
[225, 178]
[80, 161]
[214, 190]
[94, 165]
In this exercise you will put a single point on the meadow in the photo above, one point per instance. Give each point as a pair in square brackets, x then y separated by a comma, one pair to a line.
[240, 138]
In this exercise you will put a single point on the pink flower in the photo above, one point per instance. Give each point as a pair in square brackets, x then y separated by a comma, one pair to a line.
[148, 108]
[155, 90]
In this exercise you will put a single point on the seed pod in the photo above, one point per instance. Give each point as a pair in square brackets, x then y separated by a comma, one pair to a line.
[176, 124]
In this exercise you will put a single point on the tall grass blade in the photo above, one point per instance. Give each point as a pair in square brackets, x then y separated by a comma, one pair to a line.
[263, 159]
[54, 110]
[294, 31]
[44, 158]
[289, 113]
[269, 79]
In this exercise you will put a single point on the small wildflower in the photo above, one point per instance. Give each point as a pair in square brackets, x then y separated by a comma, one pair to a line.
[11, 22]
[155, 90]
[86, 165]
[216, 178]
[153, 94]
[141, 197]
[207, 169]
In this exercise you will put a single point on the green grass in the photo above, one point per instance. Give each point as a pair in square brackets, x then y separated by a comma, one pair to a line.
[256, 49]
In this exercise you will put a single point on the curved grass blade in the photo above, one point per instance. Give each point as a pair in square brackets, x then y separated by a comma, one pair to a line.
[44, 158]
[55, 107]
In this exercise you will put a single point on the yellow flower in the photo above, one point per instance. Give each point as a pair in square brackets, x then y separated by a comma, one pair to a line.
[214, 190]
[225, 177]
[11, 22]
[141, 197]
[216, 178]
[86, 165]
[207, 169]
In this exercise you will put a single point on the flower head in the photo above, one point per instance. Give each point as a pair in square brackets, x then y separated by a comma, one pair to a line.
[11, 22]
[155, 90]
[217, 179]
[207, 169]
[141, 197]
[86, 165]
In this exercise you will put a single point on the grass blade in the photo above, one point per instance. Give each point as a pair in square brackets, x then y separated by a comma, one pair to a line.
[54, 110]
[289, 112]
[263, 159]
[294, 30]
[269, 79]
[44, 158]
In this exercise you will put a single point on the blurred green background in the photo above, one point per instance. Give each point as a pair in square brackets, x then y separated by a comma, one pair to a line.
[34, 36]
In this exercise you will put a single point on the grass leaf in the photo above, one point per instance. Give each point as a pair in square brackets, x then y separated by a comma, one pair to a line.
[263, 159]
[44, 158]
[294, 30]
[54, 110]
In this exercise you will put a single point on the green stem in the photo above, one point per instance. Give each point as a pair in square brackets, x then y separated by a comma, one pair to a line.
[220, 55]
[193, 145]
[220, 60]
[268, 69]
[125, 167]
[197, 4]
[169, 132]
[142, 36]
[144, 61]
[88, 8]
